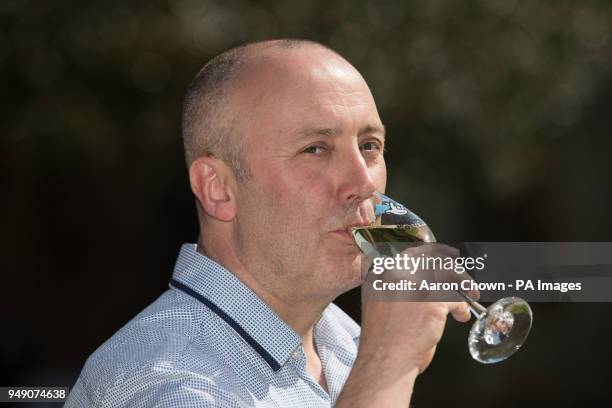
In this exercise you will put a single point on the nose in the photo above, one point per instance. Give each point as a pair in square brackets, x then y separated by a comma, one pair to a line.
[357, 182]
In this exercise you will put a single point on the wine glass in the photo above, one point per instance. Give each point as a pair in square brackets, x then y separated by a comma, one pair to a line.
[499, 330]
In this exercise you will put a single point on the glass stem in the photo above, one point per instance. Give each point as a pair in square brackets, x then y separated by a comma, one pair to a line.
[476, 308]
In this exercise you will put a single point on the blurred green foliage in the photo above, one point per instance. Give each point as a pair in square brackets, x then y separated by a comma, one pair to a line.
[478, 96]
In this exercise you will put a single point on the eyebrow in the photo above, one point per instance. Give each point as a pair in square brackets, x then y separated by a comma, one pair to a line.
[331, 132]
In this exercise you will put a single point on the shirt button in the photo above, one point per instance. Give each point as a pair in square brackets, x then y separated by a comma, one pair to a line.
[296, 354]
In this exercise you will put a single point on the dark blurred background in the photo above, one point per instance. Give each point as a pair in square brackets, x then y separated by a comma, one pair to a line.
[498, 121]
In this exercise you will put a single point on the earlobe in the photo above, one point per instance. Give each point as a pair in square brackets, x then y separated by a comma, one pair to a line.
[210, 183]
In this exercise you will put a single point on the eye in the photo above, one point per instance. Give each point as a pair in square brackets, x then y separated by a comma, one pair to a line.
[371, 146]
[316, 149]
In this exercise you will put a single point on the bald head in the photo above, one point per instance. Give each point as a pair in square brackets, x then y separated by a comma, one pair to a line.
[305, 122]
[210, 124]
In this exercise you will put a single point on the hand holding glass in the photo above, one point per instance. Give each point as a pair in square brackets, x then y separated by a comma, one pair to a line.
[499, 330]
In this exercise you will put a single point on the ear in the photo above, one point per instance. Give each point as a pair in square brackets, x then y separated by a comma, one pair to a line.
[214, 185]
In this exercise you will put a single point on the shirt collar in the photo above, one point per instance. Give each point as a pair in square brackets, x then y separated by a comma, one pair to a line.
[224, 294]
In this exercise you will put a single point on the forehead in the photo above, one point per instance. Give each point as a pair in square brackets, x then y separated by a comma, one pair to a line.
[285, 92]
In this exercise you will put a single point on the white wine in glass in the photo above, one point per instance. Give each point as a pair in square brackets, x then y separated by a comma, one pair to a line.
[499, 330]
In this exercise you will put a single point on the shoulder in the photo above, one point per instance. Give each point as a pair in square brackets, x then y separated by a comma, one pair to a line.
[162, 353]
[159, 386]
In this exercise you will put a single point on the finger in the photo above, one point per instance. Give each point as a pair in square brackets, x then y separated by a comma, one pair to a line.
[474, 294]
[438, 249]
[460, 311]
[446, 250]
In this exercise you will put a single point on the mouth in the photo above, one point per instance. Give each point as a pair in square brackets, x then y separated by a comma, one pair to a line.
[345, 233]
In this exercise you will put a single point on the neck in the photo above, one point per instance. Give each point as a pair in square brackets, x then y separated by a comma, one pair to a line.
[301, 316]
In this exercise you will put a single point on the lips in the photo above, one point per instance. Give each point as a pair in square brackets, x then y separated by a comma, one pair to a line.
[345, 233]
[360, 216]
[357, 224]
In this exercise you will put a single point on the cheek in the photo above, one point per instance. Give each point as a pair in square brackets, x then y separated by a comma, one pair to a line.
[294, 185]
[380, 177]
[298, 197]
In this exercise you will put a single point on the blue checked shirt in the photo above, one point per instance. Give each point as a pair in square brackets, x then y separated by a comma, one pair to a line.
[209, 341]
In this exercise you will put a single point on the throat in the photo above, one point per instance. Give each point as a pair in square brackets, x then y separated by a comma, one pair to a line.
[314, 365]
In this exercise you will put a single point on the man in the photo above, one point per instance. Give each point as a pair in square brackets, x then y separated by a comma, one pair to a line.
[284, 146]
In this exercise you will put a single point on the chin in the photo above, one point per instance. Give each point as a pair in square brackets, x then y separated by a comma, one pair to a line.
[341, 278]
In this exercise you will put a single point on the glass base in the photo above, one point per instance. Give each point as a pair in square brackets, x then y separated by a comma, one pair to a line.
[501, 331]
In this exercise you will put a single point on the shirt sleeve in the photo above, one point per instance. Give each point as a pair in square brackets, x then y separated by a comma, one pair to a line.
[154, 388]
